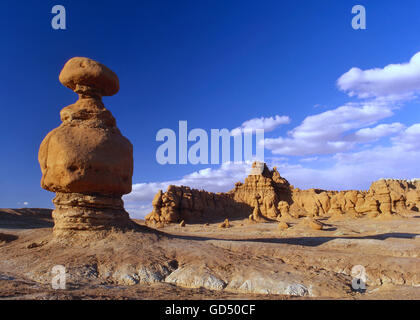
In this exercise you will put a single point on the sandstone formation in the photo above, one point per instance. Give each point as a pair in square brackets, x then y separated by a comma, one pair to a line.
[283, 225]
[86, 161]
[225, 224]
[266, 196]
[184, 203]
[263, 191]
[314, 224]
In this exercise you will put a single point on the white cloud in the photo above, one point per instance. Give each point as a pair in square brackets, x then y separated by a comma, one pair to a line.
[138, 210]
[330, 131]
[380, 131]
[309, 159]
[268, 124]
[394, 79]
[409, 139]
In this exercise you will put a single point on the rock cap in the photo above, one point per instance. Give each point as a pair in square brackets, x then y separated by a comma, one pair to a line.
[86, 75]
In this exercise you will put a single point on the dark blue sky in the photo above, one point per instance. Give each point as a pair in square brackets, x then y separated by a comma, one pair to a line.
[213, 63]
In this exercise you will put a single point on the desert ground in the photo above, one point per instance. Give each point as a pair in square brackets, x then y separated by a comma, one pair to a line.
[203, 261]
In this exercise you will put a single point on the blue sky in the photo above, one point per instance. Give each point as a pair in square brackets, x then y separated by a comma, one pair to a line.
[219, 64]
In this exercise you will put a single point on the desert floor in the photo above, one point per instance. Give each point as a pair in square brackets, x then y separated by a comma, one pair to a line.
[245, 261]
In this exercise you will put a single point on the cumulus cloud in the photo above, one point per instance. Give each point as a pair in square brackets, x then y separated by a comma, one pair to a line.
[309, 159]
[343, 128]
[138, 210]
[408, 139]
[268, 124]
[330, 131]
[392, 80]
[378, 132]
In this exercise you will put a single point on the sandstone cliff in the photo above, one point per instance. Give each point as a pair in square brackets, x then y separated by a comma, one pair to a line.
[265, 196]
[190, 205]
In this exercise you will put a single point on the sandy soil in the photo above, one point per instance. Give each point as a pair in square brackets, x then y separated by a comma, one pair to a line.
[246, 261]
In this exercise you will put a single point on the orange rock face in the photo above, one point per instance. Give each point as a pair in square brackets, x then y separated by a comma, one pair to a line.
[82, 74]
[190, 205]
[266, 196]
[263, 191]
[86, 160]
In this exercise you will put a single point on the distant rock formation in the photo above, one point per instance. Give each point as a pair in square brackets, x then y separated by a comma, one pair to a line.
[263, 192]
[266, 196]
[384, 197]
[190, 205]
[86, 161]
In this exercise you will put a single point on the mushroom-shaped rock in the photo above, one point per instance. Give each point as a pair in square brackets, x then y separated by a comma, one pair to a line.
[83, 75]
[86, 160]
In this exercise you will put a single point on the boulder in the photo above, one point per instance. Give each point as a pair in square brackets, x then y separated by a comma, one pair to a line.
[315, 225]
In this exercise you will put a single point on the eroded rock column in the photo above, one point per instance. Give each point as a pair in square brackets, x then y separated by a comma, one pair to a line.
[86, 161]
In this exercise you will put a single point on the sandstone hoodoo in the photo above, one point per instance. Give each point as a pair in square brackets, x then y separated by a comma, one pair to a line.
[266, 196]
[86, 161]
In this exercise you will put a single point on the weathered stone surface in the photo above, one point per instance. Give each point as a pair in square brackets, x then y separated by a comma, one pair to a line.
[76, 211]
[314, 224]
[283, 225]
[258, 282]
[86, 160]
[192, 277]
[84, 75]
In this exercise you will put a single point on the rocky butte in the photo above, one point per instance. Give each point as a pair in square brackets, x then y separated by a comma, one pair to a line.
[86, 161]
[266, 196]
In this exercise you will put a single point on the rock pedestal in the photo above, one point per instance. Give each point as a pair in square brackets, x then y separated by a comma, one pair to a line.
[86, 161]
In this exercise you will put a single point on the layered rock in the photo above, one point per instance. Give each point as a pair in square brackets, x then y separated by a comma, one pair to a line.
[191, 205]
[265, 196]
[263, 189]
[86, 161]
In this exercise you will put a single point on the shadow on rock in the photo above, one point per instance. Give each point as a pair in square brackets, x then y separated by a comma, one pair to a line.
[7, 237]
[25, 218]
